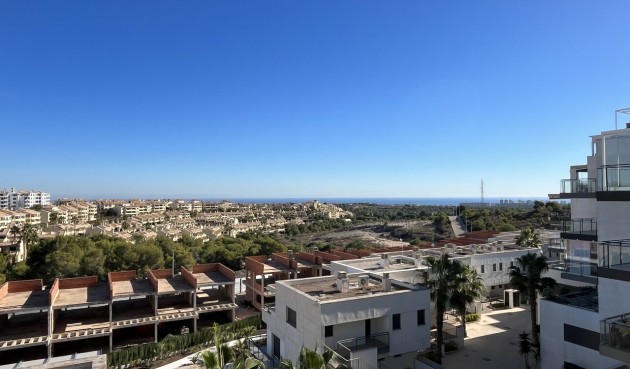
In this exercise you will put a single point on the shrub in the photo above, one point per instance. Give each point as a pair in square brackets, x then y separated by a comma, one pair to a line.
[472, 318]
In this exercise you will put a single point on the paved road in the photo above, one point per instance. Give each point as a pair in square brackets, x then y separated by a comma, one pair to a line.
[457, 226]
[492, 342]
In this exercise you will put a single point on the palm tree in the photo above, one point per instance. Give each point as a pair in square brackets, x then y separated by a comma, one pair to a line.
[527, 278]
[248, 361]
[469, 290]
[222, 354]
[29, 236]
[14, 230]
[529, 237]
[442, 279]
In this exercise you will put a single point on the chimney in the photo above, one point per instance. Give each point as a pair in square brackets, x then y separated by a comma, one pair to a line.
[387, 283]
[384, 261]
[343, 283]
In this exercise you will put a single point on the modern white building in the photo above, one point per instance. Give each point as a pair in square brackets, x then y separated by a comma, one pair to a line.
[366, 319]
[590, 328]
[16, 199]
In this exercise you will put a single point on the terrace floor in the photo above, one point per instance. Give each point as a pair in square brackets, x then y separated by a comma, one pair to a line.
[81, 319]
[24, 300]
[82, 296]
[25, 326]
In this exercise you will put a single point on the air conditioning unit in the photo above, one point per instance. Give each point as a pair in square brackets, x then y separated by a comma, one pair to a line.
[364, 281]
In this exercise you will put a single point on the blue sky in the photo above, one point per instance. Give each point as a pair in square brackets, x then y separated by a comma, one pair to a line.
[306, 98]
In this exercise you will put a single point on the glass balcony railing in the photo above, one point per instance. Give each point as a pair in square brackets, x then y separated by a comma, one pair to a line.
[613, 178]
[579, 268]
[615, 332]
[586, 299]
[580, 226]
[380, 341]
[578, 185]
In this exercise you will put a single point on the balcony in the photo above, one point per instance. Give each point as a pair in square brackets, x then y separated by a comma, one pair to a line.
[613, 178]
[579, 229]
[379, 341]
[582, 271]
[615, 337]
[586, 299]
[577, 188]
[615, 260]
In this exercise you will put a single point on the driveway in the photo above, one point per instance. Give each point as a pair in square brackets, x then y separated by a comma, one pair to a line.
[492, 342]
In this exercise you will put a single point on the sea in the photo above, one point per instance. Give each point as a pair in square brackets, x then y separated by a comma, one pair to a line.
[441, 201]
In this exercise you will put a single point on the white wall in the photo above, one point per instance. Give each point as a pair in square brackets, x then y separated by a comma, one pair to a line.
[490, 277]
[554, 350]
[614, 298]
[583, 208]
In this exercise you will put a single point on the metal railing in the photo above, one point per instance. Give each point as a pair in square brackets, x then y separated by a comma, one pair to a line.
[271, 362]
[615, 332]
[447, 334]
[338, 361]
[378, 340]
[578, 185]
[587, 226]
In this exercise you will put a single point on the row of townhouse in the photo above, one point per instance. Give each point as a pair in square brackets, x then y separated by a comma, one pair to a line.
[364, 305]
[591, 328]
[84, 314]
[19, 218]
[18, 199]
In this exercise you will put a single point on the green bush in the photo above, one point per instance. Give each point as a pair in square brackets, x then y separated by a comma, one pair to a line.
[472, 318]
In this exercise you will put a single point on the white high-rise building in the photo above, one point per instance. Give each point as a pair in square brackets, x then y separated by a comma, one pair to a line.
[16, 199]
[590, 328]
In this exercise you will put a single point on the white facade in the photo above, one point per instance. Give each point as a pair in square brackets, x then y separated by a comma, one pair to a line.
[576, 328]
[16, 199]
[312, 313]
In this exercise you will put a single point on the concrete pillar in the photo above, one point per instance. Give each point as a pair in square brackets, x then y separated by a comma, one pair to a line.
[156, 333]
[262, 293]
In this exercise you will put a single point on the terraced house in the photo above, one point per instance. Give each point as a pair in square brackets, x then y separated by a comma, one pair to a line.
[84, 314]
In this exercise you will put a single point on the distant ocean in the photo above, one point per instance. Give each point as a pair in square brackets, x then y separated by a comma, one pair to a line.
[445, 201]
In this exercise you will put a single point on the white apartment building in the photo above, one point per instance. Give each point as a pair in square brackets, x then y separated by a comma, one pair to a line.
[591, 328]
[17, 199]
[366, 319]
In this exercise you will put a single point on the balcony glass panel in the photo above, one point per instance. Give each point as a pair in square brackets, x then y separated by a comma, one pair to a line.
[578, 185]
[615, 254]
[586, 299]
[614, 178]
[615, 332]
[580, 226]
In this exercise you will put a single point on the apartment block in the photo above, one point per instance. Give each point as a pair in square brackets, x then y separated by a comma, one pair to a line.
[367, 320]
[84, 314]
[17, 199]
[589, 328]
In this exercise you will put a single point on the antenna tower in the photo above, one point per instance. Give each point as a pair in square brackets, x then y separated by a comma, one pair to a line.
[482, 193]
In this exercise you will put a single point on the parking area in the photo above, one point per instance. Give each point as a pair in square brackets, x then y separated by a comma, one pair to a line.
[492, 342]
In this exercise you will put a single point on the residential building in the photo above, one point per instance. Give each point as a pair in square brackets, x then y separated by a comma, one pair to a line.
[589, 328]
[84, 314]
[366, 319]
[17, 199]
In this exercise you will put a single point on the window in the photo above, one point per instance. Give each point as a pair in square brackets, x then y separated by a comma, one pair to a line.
[492, 287]
[500, 266]
[494, 267]
[396, 321]
[483, 269]
[511, 264]
[421, 317]
[328, 331]
[291, 317]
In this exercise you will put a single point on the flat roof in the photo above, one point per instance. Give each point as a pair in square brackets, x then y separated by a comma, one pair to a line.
[24, 300]
[325, 288]
[83, 296]
[374, 264]
[209, 278]
[132, 287]
[173, 284]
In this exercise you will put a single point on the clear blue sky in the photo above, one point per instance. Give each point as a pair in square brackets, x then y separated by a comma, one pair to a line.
[306, 98]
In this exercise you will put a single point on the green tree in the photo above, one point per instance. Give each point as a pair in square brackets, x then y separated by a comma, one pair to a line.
[529, 237]
[221, 355]
[527, 277]
[15, 231]
[469, 289]
[29, 237]
[525, 347]
[442, 278]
